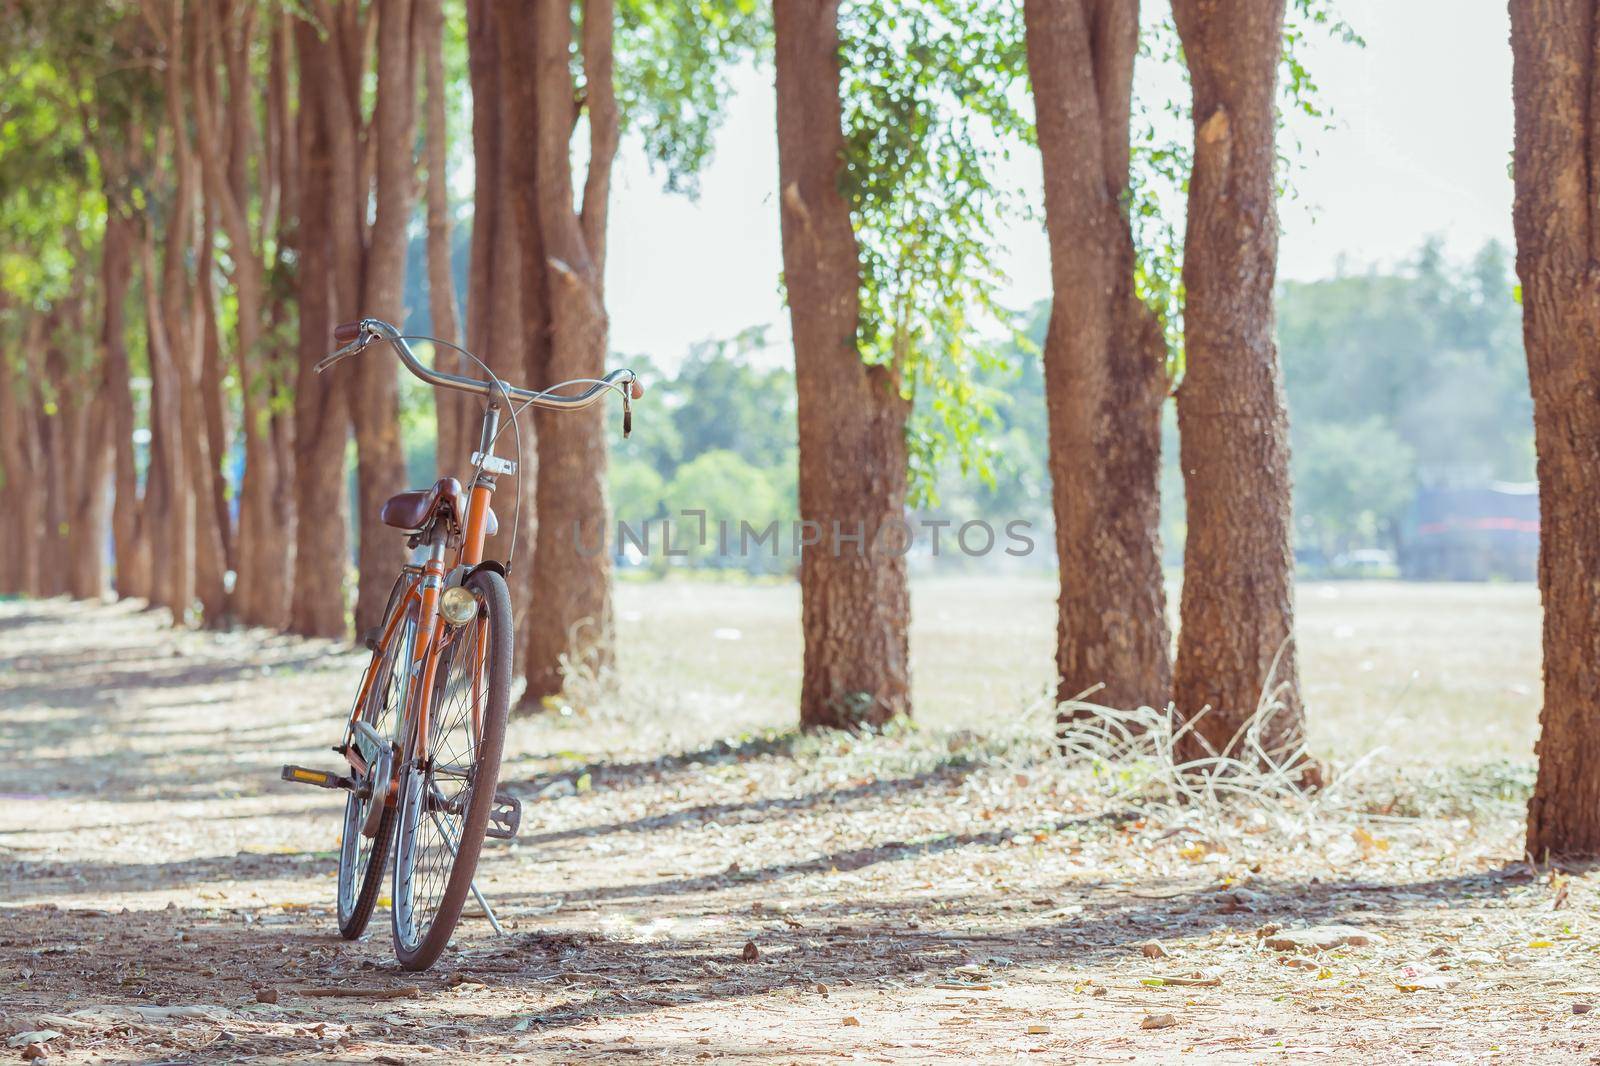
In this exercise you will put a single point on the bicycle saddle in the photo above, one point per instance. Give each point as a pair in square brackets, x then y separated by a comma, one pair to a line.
[420, 508]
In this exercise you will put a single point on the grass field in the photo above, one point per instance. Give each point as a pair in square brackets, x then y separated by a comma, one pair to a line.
[1427, 671]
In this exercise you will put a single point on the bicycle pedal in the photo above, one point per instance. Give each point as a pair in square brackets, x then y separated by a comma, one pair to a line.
[321, 778]
[505, 817]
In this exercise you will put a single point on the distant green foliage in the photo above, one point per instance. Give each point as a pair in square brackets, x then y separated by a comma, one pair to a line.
[1400, 379]
[673, 60]
[720, 436]
[1352, 482]
[930, 94]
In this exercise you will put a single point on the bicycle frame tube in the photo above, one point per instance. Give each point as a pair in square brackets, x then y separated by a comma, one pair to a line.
[482, 489]
[427, 660]
[371, 674]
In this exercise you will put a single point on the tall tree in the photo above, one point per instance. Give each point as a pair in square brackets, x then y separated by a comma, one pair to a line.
[452, 407]
[1237, 615]
[852, 417]
[571, 586]
[496, 327]
[375, 392]
[132, 545]
[1555, 71]
[1104, 360]
[229, 147]
[321, 409]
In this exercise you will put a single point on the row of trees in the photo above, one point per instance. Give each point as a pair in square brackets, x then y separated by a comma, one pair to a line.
[193, 193]
[201, 189]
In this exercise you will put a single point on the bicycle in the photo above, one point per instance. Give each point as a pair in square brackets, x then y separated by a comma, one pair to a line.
[427, 729]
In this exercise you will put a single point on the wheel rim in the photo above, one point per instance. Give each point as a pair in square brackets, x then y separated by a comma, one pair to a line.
[435, 799]
[383, 712]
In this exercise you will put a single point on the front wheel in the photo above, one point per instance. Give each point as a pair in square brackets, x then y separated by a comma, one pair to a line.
[368, 816]
[446, 799]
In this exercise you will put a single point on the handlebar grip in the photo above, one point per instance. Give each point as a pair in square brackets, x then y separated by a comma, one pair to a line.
[345, 332]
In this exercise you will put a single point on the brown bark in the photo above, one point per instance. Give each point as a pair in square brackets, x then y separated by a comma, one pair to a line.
[571, 585]
[173, 337]
[519, 207]
[502, 344]
[855, 602]
[375, 391]
[1104, 361]
[85, 488]
[54, 437]
[40, 570]
[201, 406]
[1235, 640]
[17, 523]
[451, 406]
[132, 566]
[322, 418]
[261, 592]
[172, 502]
[1556, 163]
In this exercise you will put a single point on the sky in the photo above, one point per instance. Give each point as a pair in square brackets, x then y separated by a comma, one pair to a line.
[1419, 147]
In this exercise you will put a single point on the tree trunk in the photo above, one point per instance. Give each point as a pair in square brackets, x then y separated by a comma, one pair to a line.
[169, 506]
[206, 444]
[40, 568]
[84, 443]
[452, 407]
[375, 395]
[1235, 649]
[132, 547]
[321, 415]
[572, 625]
[1555, 74]
[503, 346]
[263, 555]
[519, 207]
[16, 522]
[55, 470]
[1104, 362]
[855, 602]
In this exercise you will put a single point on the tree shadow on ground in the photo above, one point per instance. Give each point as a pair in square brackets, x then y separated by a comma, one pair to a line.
[867, 941]
[748, 812]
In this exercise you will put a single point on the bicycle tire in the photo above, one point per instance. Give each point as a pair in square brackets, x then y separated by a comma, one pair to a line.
[354, 906]
[422, 923]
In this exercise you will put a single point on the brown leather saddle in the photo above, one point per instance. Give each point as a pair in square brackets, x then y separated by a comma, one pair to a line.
[420, 508]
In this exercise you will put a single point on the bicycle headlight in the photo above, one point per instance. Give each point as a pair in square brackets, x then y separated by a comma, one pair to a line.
[458, 605]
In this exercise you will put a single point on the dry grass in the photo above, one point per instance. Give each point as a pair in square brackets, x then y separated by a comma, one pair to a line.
[1448, 674]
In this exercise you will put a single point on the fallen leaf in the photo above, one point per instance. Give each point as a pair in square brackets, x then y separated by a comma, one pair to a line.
[1038, 1030]
[1368, 842]
[850, 1019]
[34, 1036]
[1158, 1021]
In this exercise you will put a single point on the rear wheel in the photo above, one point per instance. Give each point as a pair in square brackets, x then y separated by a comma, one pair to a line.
[445, 801]
[368, 817]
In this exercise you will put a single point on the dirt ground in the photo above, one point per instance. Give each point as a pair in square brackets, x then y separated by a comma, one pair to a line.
[927, 896]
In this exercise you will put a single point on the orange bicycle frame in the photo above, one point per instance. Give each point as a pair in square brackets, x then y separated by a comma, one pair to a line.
[425, 589]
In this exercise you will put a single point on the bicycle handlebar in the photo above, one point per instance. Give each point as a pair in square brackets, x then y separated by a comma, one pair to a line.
[357, 335]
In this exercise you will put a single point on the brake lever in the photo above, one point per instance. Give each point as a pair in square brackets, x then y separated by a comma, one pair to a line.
[348, 350]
